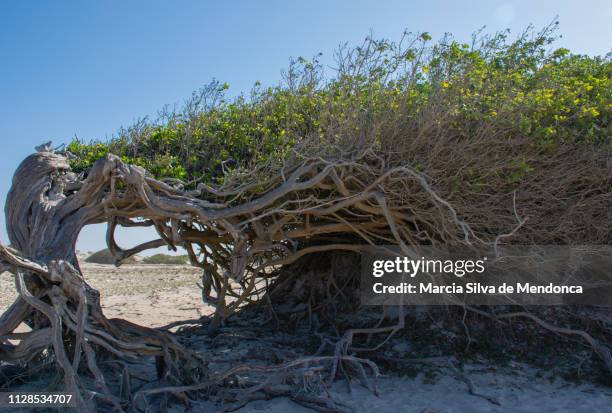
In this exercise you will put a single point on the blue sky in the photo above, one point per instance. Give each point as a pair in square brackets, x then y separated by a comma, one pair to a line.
[86, 68]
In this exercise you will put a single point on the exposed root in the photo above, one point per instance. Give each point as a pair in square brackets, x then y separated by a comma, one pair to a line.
[77, 330]
[600, 349]
[303, 380]
[241, 235]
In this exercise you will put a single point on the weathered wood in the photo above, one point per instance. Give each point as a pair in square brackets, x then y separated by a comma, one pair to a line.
[239, 237]
[46, 209]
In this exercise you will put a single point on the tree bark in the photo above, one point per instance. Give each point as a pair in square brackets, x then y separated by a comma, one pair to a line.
[46, 208]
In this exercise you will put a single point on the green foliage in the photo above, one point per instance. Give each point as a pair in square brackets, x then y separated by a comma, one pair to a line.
[518, 88]
[86, 154]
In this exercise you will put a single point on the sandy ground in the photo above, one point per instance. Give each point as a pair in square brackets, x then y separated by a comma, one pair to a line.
[516, 393]
[156, 295]
[162, 294]
[151, 295]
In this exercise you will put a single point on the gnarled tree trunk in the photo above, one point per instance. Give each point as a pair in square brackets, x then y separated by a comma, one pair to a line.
[46, 209]
[240, 236]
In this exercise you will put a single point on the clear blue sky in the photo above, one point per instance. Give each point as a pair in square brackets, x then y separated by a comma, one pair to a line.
[86, 68]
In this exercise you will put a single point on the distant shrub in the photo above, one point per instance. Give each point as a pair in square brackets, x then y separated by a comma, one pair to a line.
[166, 259]
[105, 257]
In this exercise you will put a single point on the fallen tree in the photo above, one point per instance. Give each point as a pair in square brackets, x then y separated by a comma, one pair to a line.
[383, 177]
[312, 208]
